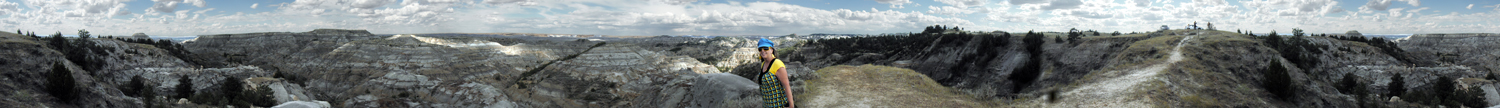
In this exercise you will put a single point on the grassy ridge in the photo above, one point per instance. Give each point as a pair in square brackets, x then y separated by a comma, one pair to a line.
[870, 85]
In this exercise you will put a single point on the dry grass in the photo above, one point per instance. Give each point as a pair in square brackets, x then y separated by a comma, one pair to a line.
[1145, 52]
[17, 39]
[1200, 80]
[879, 86]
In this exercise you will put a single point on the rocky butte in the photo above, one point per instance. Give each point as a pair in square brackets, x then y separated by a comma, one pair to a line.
[934, 68]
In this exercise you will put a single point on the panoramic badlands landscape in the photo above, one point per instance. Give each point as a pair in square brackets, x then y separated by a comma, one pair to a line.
[934, 68]
[704, 53]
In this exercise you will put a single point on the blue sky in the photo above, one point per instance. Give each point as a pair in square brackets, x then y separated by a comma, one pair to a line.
[740, 17]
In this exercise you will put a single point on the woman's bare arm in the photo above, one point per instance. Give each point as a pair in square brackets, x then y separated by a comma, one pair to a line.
[787, 85]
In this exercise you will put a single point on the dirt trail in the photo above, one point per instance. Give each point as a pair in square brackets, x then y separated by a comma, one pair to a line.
[1118, 90]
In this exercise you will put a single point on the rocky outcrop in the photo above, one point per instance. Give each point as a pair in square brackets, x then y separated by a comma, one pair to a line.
[24, 61]
[353, 70]
[616, 75]
[1470, 49]
[979, 65]
[338, 32]
[204, 80]
[303, 104]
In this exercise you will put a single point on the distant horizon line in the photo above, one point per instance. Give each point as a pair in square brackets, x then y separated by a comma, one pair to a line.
[677, 35]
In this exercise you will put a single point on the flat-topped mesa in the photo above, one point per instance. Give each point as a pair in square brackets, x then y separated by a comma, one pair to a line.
[338, 31]
[140, 36]
[316, 32]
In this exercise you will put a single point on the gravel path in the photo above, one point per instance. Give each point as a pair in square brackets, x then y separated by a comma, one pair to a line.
[1117, 91]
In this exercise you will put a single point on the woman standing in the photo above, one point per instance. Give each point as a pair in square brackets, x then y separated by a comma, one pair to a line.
[774, 87]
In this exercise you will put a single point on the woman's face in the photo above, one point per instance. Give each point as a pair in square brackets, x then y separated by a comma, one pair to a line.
[765, 52]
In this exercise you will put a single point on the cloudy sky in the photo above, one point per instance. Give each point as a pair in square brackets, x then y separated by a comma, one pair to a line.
[739, 17]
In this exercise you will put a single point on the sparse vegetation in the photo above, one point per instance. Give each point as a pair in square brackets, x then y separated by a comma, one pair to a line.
[1296, 50]
[1387, 47]
[174, 49]
[1029, 71]
[80, 51]
[1200, 101]
[1445, 93]
[233, 93]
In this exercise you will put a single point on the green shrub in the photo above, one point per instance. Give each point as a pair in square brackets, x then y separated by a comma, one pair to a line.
[61, 84]
[1277, 81]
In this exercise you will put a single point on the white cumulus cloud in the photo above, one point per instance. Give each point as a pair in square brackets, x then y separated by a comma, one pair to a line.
[8, 7]
[894, 3]
[1383, 5]
[170, 6]
[964, 3]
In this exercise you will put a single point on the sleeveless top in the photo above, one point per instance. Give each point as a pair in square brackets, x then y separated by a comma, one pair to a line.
[770, 87]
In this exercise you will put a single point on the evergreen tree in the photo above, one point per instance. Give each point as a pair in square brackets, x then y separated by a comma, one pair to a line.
[231, 87]
[1277, 80]
[260, 97]
[1473, 97]
[184, 87]
[1397, 85]
[61, 84]
[1297, 32]
[149, 96]
[1443, 87]
[135, 85]
[83, 33]
[1347, 85]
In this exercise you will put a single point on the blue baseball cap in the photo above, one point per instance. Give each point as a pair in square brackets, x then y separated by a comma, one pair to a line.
[765, 43]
